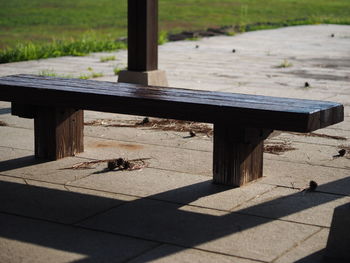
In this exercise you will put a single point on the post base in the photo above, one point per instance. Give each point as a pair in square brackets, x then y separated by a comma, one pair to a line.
[149, 78]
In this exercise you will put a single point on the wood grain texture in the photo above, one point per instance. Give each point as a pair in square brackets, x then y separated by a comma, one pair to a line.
[58, 132]
[238, 154]
[204, 106]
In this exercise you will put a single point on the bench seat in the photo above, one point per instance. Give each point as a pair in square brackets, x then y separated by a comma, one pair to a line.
[241, 122]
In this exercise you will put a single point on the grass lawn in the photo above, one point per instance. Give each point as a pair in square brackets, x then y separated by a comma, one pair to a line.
[43, 21]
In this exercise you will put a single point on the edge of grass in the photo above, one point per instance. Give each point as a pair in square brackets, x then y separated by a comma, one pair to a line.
[81, 47]
[88, 44]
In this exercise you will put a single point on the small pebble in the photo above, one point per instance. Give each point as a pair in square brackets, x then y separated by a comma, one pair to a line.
[306, 85]
[312, 186]
[145, 120]
[342, 152]
[233, 50]
[111, 165]
[192, 134]
[120, 162]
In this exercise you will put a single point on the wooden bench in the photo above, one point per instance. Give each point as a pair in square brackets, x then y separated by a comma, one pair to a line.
[241, 122]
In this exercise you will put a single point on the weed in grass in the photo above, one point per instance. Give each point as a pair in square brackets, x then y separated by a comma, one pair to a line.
[96, 74]
[285, 64]
[162, 38]
[30, 51]
[117, 70]
[47, 73]
[107, 58]
[193, 38]
[230, 33]
[91, 75]
[84, 76]
[52, 73]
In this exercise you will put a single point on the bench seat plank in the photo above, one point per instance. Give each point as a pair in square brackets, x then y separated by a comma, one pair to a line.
[204, 106]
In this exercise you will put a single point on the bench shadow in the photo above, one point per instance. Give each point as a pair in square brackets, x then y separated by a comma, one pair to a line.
[320, 258]
[60, 219]
[20, 162]
[4, 111]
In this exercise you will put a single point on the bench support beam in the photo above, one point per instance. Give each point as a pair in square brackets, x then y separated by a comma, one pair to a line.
[58, 132]
[238, 154]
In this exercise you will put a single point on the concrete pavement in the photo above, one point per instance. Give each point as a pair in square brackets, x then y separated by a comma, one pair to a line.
[170, 211]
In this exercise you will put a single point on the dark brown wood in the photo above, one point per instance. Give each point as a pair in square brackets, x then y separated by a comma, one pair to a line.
[193, 105]
[142, 35]
[23, 110]
[58, 132]
[238, 154]
[241, 122]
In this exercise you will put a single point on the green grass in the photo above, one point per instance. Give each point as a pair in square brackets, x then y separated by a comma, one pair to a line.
[52, 73]
[107, 58]
[117, 70]
[44, 28]
[78, 47]
[285, 64]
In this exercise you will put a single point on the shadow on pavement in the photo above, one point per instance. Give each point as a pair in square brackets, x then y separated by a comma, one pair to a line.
[83, 223]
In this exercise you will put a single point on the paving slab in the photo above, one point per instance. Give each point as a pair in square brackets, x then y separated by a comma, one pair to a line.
[168, 253]
[183, 160]
[309, 251]
[22, 164]
[8, 156]
[233, 234]
[28, 240]
[329, 137]
[149, 182]
[297, 175]
[174, 187]
[18, 138]
[345, 125]
[200, 142]
[295, 205]
[14, 121]
[53, 203]
[314, 154]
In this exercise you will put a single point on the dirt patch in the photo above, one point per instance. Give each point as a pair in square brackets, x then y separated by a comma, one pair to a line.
[307, 75]
[328, 62]
[278, 148]
[157, 124]
[112, 144]
[320, 135]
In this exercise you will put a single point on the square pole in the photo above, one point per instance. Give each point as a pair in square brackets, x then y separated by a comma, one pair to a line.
[143, 45]
[142, 35]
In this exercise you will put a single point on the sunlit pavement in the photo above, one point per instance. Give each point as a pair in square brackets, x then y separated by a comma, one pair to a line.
[169, 211]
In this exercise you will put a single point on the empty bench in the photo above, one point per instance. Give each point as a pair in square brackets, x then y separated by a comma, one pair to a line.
[241, 122]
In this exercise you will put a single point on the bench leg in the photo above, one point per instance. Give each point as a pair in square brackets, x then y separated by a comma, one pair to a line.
[238, 154]
[58, 132]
